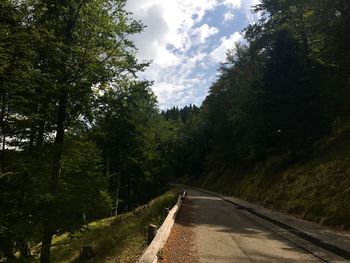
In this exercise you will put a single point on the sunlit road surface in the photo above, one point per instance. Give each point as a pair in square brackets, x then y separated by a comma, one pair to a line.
[224, 234]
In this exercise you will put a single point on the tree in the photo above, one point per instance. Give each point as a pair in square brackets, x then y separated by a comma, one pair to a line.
[125, 131]
[83, 46]
[62, 55]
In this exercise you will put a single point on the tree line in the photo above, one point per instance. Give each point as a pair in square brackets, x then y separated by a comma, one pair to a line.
[81, 136]
[276, 94]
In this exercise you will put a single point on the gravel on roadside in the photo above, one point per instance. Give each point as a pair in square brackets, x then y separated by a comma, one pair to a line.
[180, 247]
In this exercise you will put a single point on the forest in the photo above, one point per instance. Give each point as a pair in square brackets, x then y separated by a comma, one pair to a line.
[82, 137]
[282, 91]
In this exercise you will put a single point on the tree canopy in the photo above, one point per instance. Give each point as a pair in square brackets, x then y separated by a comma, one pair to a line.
[281, 91]
[82, 137]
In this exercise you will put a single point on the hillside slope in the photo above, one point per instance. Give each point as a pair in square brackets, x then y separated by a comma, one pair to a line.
[116, 239]
[316, 187]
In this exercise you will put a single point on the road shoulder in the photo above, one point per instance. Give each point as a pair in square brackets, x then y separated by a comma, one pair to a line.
[180, 247]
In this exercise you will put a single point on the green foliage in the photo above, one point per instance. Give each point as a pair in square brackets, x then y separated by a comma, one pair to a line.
[81, 185]
[315, 188]
[121, 238]
[187, 145]
[69, 98]
[81, 136]
[134, 142]
[276, 94]
[275, 98]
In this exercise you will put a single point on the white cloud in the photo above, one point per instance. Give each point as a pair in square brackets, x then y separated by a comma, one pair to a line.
[228, 16]
[233, 3]
[246, 6]
[176, 40]
[168, 22]
[173, 28]
[219, 53]
[179, 84]
[202, 33]
[154, 36]
[166, 58]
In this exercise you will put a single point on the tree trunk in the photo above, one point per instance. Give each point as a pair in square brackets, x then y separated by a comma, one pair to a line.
[132, 191]
[56, 169]
[3, 148]
[304, 39]
[8, 247]
[3, 132]
[31, 139]
[293, 153]
[50, 228]
[58, 145]
[117, 194]
[46, 246]
[108, 175]
[24, 249]
[127, 199]
[40, 137]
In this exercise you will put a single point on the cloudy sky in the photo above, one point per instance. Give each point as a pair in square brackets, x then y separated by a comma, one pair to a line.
[186, 40]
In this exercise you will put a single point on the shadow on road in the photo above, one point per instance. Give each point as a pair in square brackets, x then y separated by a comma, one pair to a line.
[223, 234]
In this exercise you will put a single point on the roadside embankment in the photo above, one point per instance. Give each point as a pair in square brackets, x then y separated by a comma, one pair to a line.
[316, 186]
[117, 239]
[154, 250]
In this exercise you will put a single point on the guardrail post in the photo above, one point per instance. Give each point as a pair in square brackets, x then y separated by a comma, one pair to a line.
[152, 231]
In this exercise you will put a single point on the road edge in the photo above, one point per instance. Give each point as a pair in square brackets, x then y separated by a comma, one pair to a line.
[150, 255]
[321, 249]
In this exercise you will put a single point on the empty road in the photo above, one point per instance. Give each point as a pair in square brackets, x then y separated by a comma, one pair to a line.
[210, 229]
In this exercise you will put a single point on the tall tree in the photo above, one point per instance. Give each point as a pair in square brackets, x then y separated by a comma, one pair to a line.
[82, 46]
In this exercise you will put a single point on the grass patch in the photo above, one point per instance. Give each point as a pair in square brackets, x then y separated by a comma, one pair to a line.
[316, 187]
[116, 239]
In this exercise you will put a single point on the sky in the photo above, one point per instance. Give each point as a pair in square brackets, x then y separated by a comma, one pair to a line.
[186, 40]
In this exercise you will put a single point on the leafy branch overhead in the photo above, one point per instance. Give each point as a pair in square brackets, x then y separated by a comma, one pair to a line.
[82, 137]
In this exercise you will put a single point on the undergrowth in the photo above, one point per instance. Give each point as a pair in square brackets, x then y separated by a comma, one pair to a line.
[316, 187]
[116, 239]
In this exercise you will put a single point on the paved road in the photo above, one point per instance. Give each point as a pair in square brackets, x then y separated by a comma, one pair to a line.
[223, 234]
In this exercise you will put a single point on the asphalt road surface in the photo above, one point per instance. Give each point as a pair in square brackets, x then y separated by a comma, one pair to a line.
[223, 234]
